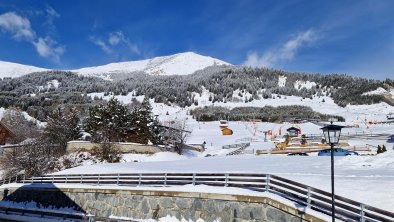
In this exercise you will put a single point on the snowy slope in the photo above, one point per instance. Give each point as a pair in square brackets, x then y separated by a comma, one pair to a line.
[9, 69]
[178, 64]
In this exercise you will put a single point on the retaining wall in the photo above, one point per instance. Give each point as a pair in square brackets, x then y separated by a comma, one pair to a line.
[74, 146]
[145, 204]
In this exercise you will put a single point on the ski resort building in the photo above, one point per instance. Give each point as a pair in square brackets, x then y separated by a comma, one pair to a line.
[293, 131]
[227, 131]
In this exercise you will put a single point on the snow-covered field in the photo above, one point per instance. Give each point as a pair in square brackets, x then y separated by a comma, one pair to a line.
[367, 179]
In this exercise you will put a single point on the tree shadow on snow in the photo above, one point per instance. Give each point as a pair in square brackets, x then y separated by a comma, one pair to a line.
[43, 200]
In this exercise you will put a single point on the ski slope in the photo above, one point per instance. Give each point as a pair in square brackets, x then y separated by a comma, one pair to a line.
[178, 64]
[13, 70]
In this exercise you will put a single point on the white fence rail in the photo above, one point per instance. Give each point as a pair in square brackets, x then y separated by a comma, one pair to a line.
[314, 198]
[241, 147]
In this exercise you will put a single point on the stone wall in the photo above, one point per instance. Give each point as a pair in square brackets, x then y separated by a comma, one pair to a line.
[74, 146]
[142, 204]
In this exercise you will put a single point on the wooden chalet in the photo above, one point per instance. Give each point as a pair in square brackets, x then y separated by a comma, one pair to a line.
[5, 133]
[293, 131]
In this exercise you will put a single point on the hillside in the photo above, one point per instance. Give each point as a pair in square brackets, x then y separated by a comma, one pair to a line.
[177, 64]
[37, 93]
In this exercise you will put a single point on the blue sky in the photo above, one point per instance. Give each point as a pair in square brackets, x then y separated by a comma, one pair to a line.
[354, 37]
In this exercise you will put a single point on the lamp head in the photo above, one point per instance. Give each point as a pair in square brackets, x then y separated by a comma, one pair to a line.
[332, 133]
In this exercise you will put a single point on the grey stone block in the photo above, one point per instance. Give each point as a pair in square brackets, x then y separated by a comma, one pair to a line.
[183, 203]
[197, 204]
[154, 203]
[166, 202]
[274, 214]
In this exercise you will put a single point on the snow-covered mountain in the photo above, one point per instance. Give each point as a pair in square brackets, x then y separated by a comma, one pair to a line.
[13, 70]
[178, 64]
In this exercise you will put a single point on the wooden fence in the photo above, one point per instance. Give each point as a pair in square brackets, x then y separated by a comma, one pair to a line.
[310, 197]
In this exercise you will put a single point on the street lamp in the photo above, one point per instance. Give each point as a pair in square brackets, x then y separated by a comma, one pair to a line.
[331, 134]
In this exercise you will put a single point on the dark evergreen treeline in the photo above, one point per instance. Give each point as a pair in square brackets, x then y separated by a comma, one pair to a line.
[265, 114]
[33, 94]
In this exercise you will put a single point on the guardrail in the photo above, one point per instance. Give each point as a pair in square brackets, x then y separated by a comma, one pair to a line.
[316, 199]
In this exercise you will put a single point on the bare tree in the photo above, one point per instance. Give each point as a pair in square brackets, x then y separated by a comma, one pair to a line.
[107, 152]
[20, 126]
[33, 158]
[175, 135]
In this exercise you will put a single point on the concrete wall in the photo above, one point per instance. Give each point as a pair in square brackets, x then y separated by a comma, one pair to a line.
[74, 146]
[140, 204]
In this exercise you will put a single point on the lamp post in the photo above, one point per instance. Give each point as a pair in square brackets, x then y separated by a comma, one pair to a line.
[331, 134]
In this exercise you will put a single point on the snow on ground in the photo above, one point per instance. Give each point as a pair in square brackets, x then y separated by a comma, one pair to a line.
[178, 64]
[2, 111]
[13, 70]
[302, 84]
[378, 91]
[354, 114]
[161, 156]
[34, 120]
[282, 81]
[210, 133]
[53, 84]
[27, 117]
[368, 179]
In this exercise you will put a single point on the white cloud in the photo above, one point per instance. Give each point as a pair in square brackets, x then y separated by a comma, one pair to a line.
[284, 53]
[115, 39]
[101, 44]
[50, 14]
[17, 26]
[48, 48]
[20, 29]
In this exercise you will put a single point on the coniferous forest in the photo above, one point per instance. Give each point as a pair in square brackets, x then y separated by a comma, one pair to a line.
[34, 93]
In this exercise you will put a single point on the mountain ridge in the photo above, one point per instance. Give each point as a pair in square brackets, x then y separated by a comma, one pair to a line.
[13, 70]
[177, 64]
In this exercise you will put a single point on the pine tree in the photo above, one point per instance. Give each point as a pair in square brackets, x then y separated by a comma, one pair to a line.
[108, 122]
[384, 148]
[62, 127]
[142, 122]
[379, 150]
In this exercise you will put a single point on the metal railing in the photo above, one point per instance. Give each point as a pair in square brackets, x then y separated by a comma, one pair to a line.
[316, 199]
[236, 145]
[241, 147]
